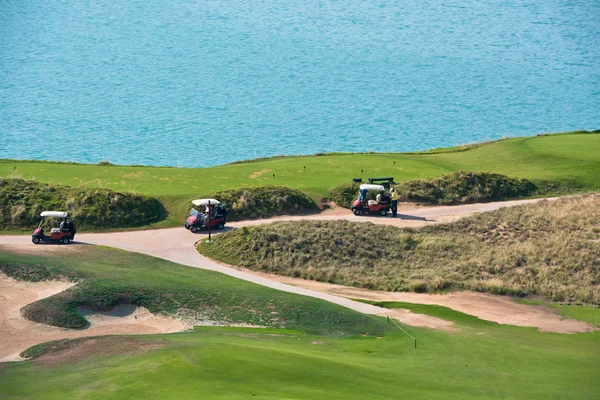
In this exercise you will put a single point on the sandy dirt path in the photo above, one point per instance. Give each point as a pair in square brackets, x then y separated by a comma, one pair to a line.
[178, 245]
[408, 215]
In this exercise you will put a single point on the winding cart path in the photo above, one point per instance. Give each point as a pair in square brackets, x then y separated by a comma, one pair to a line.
[178, 245]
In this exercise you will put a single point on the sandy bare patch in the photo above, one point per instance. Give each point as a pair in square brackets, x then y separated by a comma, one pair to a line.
[19, 334]
[258, 173]
[421, 320]
[500, 309]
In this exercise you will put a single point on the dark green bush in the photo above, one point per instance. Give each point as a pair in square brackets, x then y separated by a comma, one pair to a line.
[22, 201]
[344, 194]
[264, 202]
[464, 187]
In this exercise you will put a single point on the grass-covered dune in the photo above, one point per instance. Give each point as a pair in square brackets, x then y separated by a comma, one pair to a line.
[563, 163]
[550, 249]
[482, 360]
[22, 201]
[108, 277]
[455, 188]
[255, 202]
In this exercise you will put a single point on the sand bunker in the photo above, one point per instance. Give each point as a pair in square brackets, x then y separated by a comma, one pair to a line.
[129, 314]
[19, 334]
[500, 309]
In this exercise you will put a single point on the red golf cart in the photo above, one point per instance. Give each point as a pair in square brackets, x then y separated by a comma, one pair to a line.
[380, 205]
[64, 234]
[213, 216]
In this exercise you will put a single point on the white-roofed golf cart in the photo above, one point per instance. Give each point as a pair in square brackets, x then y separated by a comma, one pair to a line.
[64, 233]
[363, 204]
[214, 215]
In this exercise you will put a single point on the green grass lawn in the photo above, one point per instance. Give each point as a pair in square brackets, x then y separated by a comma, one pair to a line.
[570, 161]
[482, 361]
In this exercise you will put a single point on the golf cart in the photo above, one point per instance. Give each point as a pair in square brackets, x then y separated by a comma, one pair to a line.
[363, 204]
[213, 216]
[64, 234]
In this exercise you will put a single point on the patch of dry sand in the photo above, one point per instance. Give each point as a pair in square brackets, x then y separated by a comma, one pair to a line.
[258, 173]
[500, 309]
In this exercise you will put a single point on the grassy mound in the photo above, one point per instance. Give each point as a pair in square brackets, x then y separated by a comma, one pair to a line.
[464, 187]
[264, 202]
[21, 202]
[549, 248]
[108, 277]
[459, 187]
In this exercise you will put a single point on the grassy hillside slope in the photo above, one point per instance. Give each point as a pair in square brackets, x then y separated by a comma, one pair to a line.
[549, 248]
[566, 162]
[483, 360]
[109, 277]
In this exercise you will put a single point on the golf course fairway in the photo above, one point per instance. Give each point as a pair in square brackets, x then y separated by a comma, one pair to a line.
[350, 356]
[560, 163]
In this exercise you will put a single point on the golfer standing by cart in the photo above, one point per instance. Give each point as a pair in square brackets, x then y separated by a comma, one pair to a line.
[394, 196]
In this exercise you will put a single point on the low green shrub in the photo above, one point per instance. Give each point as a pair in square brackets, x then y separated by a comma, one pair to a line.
[22, 201]
[344, 194]
[464, 187]
[264, 202]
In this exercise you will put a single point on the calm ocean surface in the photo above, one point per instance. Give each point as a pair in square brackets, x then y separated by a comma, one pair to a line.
[198, 83]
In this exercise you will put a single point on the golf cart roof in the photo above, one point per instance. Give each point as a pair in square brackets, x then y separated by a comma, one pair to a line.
[204, 202]
[368, 186]
[56, 214]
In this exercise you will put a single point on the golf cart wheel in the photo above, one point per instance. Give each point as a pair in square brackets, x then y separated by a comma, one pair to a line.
[36, 240]
[193, 229]
[64, 240]
[221, 226]
[383, 212]
[187, 226]
[356, 211]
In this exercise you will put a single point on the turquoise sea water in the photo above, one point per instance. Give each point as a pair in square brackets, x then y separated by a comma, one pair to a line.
[197, 83]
